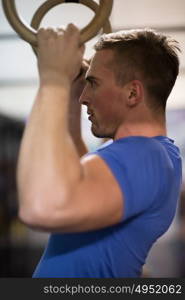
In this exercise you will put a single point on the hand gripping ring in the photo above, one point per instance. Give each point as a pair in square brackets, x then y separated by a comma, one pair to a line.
[46, 6]
[28, 33]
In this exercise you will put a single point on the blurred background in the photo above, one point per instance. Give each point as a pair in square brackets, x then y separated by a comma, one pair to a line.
[20, 247]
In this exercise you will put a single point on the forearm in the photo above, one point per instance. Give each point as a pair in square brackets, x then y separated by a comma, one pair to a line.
[75, 125]
[48, 166]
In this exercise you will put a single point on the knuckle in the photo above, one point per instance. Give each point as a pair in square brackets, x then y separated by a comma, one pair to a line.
[41, 31]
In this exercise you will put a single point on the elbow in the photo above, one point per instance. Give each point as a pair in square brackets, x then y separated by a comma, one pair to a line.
[32, 212]
[43, 216]
[32, 217]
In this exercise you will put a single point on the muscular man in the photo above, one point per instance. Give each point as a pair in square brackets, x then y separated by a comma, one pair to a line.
[105, 210]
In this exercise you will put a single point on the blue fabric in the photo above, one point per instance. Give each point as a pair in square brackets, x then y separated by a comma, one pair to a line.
[149, 173]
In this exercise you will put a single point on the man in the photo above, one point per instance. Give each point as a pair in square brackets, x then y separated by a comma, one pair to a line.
[106, 210]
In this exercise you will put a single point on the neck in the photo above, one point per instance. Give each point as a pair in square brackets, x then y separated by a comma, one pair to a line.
[148, 128]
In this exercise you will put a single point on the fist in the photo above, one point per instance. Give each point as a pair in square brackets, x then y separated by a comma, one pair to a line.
[59, 54]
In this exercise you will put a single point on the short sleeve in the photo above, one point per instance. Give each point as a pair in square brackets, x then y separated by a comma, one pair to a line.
[136, 165]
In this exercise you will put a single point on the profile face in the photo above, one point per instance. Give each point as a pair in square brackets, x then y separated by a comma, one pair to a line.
[103, 96]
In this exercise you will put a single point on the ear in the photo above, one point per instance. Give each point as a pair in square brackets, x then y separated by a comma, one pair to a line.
[135, 92]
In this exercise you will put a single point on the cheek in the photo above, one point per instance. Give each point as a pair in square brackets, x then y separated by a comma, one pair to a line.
[108, 102]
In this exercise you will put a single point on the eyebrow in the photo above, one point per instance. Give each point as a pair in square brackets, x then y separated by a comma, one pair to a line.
[91, 78]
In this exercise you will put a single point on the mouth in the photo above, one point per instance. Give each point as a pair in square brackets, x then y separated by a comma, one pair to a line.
[90, 113]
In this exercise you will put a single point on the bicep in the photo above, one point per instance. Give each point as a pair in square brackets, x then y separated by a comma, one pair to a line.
[97, 202]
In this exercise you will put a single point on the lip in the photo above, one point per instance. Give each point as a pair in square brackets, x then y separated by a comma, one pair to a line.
[89, 112]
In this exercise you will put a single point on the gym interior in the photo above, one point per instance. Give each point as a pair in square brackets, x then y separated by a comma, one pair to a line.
[21, 247]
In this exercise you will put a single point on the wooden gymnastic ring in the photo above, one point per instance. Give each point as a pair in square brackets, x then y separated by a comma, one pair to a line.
[27, 33]
[46, 6]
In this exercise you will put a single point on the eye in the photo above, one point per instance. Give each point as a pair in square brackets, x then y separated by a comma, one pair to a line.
[92, 83]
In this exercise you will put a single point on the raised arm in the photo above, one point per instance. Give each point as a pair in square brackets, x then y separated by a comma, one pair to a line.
[75, 110]
[57, 191]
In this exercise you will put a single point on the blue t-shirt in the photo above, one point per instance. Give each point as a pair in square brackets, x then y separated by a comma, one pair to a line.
[148, 171]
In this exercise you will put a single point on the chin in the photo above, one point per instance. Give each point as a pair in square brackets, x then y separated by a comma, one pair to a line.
[101, 134]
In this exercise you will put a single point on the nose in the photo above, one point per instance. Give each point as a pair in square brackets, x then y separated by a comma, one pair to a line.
[84, 98]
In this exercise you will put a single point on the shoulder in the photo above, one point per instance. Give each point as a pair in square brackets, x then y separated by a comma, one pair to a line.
[132, 142]
[131, 149]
